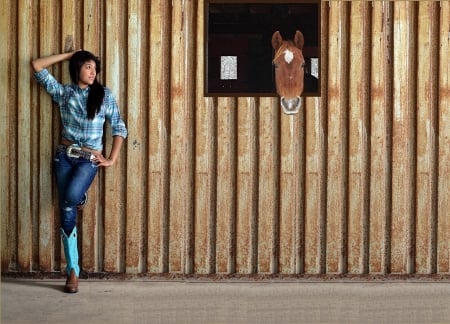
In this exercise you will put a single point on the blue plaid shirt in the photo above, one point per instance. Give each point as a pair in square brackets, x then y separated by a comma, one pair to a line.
[72, 101]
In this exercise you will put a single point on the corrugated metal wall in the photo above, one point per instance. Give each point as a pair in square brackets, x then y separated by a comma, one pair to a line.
[357, 183]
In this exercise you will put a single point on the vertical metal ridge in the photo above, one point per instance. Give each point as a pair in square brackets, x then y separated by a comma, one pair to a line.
[234, 198]
[205, 161]
[6, 10]
[338, 140]
[166, 145]
[176, 212]
[34, 152]
[213, 215]
[344, 131]
[24, 176]
[136, 238]
[434, 157]
[269, 176]
[226, 184]
[275, 262]
[254, 216]
[412, 136]
[182, 137]
[367, 134]
[388, 90]
[159, 146]
[323, 133]
[190, 62]
[403, 139]
[443, 221]
[43, 222]
[300, 168]
[114, 214]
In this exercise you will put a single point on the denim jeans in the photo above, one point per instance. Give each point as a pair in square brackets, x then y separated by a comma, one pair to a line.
[73, 178]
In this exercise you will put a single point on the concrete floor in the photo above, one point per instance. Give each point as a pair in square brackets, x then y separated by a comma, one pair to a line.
[104, 301]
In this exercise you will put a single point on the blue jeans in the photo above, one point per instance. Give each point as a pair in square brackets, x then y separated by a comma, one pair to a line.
[73, 178]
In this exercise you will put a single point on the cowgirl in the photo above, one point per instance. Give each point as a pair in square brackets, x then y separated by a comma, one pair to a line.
[84, 107]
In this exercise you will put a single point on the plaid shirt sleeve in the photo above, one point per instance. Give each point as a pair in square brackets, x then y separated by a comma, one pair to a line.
[51, 85]
[112, 115]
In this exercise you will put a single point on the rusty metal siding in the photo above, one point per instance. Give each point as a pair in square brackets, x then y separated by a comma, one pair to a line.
[356, 183]
[440, 242]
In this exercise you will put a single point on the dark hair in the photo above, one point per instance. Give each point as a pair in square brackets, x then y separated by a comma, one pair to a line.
[97, 91]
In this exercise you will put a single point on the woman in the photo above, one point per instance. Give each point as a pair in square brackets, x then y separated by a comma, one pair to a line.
[84, 107]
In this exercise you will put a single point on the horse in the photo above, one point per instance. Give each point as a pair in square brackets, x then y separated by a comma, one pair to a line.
[289, 66]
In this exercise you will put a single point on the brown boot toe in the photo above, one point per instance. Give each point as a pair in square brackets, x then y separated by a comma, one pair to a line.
[71, 283]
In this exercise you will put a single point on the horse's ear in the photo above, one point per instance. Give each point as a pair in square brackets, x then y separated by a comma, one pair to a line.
[299, 41]
[277, 40]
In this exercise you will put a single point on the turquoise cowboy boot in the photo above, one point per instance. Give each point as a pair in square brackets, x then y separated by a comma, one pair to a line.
[71, 253]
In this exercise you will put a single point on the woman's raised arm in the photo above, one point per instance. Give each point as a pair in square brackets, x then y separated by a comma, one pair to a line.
[45, 61]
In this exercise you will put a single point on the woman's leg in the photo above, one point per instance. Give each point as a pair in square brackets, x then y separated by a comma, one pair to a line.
[73, 178]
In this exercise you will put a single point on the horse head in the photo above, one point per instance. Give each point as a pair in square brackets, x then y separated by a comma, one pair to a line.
[289, 66]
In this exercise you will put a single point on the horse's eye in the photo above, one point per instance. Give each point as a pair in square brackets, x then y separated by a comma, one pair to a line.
[275, 65]
[303, 65]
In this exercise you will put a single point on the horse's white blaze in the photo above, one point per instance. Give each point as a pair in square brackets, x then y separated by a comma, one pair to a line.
[288, 56]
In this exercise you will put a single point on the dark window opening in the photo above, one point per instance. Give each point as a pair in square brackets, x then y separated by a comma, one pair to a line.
[238, 51]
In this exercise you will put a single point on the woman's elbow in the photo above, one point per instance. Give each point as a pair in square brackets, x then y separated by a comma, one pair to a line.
[36, 66]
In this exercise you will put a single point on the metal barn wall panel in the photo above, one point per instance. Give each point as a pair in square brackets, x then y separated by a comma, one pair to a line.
[356, 183]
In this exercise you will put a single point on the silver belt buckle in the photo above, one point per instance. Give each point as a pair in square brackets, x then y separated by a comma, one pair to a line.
[73, 151]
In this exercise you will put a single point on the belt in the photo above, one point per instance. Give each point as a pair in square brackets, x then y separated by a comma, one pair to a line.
[75, 151]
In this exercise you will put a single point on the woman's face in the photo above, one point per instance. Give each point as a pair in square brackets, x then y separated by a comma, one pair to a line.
[87, 74]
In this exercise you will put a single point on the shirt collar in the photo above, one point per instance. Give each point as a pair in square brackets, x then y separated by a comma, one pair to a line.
[84, 91]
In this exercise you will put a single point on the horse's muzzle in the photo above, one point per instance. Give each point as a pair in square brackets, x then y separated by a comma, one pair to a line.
[292, 105]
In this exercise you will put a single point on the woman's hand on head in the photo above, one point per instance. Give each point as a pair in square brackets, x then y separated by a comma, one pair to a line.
[73, 52]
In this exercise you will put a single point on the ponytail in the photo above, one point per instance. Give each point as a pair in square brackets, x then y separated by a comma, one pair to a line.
[95, 99]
